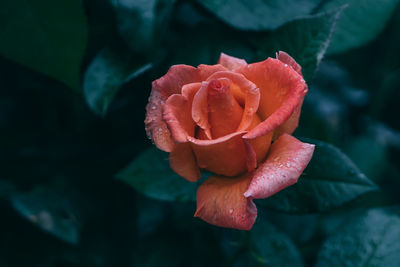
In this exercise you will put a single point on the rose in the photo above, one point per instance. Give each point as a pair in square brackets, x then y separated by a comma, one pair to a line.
[223, 118]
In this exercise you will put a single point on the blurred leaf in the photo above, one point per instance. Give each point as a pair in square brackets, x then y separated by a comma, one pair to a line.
[156, 251]
[143, 23]
[206, 52]
[259, 14]
[360, 23]
[48, 36]
[369, 240]
[51, 210]
[330, 180]
[306, 40]
[106, 73]
[6, 189]
[270, 247]
[151, 175]
[372, 163]
[150, 215]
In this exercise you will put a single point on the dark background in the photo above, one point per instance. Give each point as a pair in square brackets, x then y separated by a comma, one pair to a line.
[60, 203]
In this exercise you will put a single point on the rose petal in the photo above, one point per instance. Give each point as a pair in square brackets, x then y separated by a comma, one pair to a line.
[231, 62]
[248, 91]
[220, 202]
[256, 149]
[282, 90]
[200, 109]
[171, 83]
[206, 71]
[286, 160]
[285, 58]
[225, 155]
[183, 162]
[224, 112]
[177, 113]
[291, 124]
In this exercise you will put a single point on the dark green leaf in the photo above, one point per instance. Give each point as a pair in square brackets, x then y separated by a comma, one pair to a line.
[54, 211]
[330, 180]
[105, 75]
[369, 240]
[259, 14]
[270, 247]
[306, 40]
[142, 24]
[360, 23]
[151, 175]
[372, 164]
[48, 36]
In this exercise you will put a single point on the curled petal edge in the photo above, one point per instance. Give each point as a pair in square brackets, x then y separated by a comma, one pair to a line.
[231, 62]
[169, 84]
[287, 159]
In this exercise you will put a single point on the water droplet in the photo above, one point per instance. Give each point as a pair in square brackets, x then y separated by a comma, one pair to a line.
[230, 211]
[285, 65]
[153, 107]
[288, 164]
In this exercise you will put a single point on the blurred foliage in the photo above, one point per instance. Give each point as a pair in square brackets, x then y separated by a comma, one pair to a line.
[48, 36]
[75, 78]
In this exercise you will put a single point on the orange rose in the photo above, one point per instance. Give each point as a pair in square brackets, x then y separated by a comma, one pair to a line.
[223, 118]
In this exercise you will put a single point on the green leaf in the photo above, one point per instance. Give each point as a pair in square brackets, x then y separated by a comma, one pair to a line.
[259, 14]
[106, 73]
[47, 36]
[142, 24]
[151, 175]
[360, 23]
[369, 240]
[330, 180]
[52, 210]
[270, 247]
[306, 40]
[375, 162]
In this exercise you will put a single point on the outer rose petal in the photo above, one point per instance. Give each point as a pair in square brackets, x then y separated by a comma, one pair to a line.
[231, 62]
[286, 160]
[177, 111]
[291, 124]
[256, 149]
[285, 58]
[220, 202]
[171, 83]
[282, 91]
[183, 162]
[225, 155]
[177, 115]
[207, 70]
